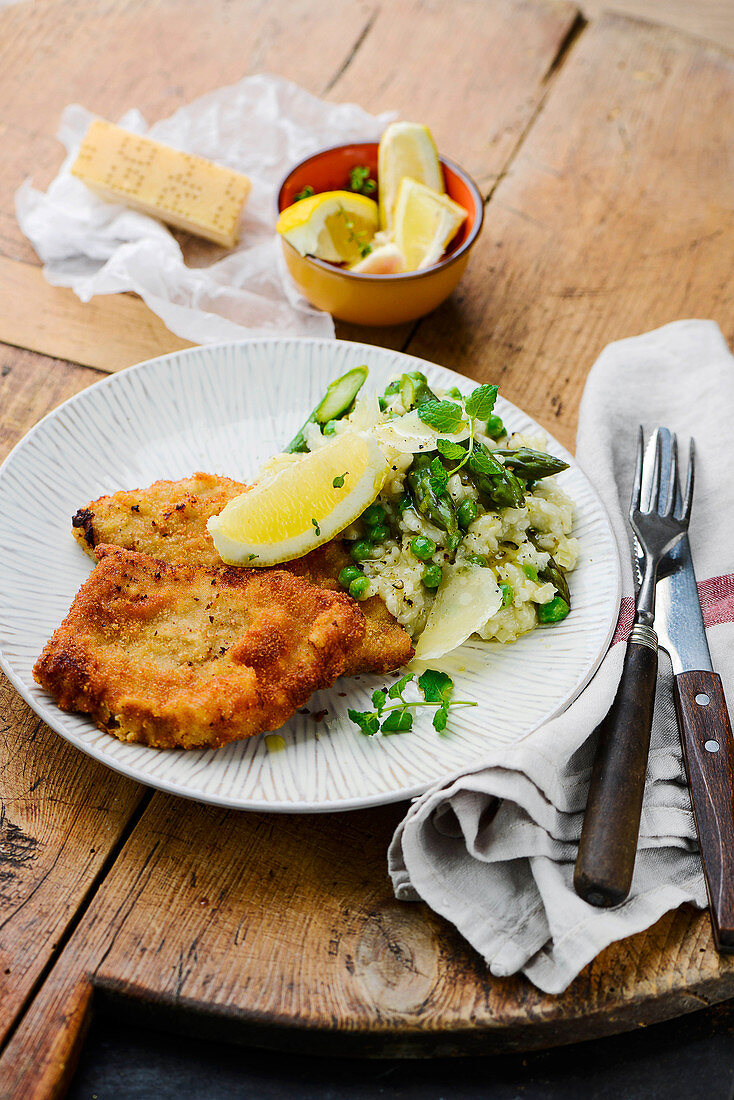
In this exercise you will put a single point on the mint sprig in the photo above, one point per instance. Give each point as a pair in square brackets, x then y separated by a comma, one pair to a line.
[435, 686]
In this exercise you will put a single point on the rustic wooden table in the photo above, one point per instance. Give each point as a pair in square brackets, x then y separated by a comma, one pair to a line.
[604, 152]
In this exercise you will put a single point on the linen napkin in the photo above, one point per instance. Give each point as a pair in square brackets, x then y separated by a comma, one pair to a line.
[493, 850]
[262, 126]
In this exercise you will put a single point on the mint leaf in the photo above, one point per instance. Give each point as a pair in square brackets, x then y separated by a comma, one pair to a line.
[481, 462]
[367, 721]
[398, 721]
[480, 402]
[439, 476]
[440, 718]
[445, 416]
[397, 689]
[450, 450]
[378, 700]
[437, 687]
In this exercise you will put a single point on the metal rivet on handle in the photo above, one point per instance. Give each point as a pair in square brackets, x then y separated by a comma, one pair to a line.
[711, 746]
[703, 700]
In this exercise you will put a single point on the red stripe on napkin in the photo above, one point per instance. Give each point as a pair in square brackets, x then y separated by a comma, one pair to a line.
[717, 604]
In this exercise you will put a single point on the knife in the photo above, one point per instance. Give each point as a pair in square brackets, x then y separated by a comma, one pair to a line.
[703, 720]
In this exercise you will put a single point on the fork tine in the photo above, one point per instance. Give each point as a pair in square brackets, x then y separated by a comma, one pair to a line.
[686, 514]
[652, 505]
[673, 477]
[637, 482]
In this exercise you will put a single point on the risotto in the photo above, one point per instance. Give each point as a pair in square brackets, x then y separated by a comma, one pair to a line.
[470, 534]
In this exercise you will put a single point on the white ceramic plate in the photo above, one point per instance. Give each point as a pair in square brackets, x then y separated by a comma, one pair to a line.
[224, 410]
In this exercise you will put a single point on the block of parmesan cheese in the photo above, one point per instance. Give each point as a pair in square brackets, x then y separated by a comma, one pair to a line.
[181, 189]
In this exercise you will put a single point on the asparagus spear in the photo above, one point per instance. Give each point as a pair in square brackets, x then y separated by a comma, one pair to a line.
[557, 578]
[414, 390]
[493, 479]
[438, 507]
[532, 465]
[335, 403]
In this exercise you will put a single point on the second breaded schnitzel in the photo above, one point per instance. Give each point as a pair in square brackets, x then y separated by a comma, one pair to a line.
[182, 656]
[168, 521]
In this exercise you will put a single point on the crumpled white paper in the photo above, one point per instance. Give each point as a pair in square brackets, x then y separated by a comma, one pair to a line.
[261, 126]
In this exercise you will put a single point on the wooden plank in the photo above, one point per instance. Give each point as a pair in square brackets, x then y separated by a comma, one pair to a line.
[712, 19]
[147, 46]
[269, 931]
[109, 332]
[155, 55]
[612, 220]
[493, 72]
[284, 929]
[61, 814]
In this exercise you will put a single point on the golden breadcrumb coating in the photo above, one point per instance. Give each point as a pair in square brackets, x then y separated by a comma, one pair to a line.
[168, 521]
[179, 655]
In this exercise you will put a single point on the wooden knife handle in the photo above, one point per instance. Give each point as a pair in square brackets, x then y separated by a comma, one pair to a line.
[608, 846]
[708, 751]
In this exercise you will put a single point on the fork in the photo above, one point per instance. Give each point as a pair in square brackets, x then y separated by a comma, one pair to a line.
[608, 845]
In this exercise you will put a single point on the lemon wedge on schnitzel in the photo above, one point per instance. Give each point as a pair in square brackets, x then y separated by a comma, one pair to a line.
[298, 505]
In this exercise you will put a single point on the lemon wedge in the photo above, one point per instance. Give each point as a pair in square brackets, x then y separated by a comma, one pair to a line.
[409, 435]
[468, 597]
[425, 222]
[302, 504]
[386, 259]
[337, 226]
[406, 149]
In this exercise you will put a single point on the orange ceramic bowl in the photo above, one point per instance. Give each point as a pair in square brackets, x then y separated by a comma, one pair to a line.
[377, 299]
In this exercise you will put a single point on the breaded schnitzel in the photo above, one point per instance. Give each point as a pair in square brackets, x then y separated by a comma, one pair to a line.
[168, 521]
[178, 655]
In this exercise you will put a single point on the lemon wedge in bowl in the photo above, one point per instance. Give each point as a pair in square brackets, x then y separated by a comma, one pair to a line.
[337, 226]
[468, 597]
[424, 224]
[406, 149]
[302, 504]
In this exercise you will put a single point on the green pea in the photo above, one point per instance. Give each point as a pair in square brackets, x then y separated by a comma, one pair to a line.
[530, 572]
[374, 514]
[378, 533]
[454, 392]
[392, 387]
[361, 550]
[329, 428]
[358, 587]
[495, 428]
[467, 513]
[508, 594]
[476, 559]
[554, 611]
[432, 576]
[348, 574]
[423, 548]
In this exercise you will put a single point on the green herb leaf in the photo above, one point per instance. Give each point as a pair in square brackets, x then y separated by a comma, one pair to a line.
[398, 721]
[338, 482]
[445, 416]
[436, 686]
[481, 462]
[315, 525]
[480, 402]
[397, 689]
[440, 719]
[360, 181]
[367, 721]
[450, 450]
[307, 192]
[439, 477]
[378, 700]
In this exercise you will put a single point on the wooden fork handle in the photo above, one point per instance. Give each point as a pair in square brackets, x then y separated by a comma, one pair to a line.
[608, 846]
[708, 752]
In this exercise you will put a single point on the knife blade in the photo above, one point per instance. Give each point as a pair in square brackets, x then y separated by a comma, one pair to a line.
[703, 720]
